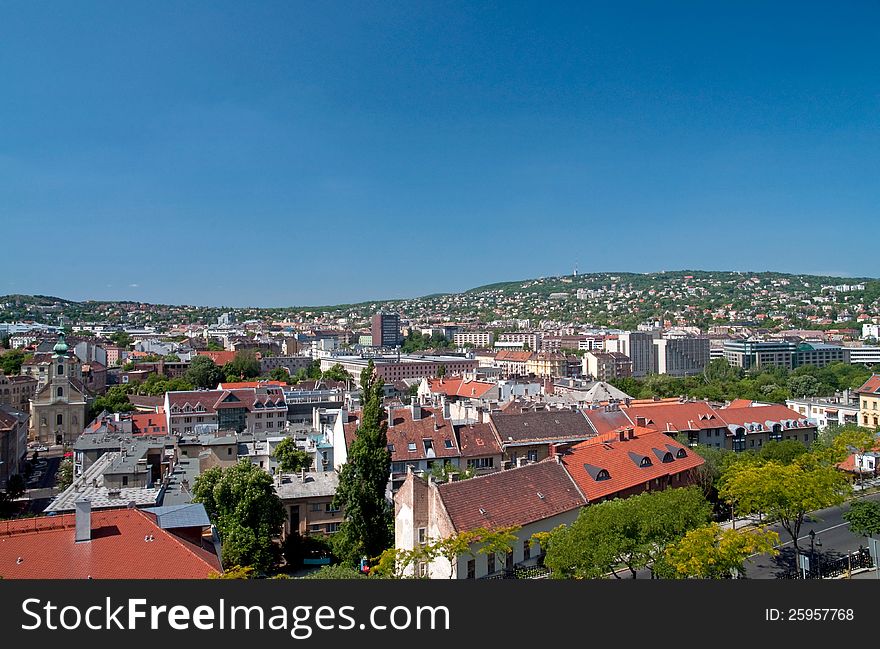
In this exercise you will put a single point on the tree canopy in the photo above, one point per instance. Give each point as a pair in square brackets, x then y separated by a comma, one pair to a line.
[863, 517]
[242, 503]
[366, 528]
[204, 373]
[710, 552]
[290, 458]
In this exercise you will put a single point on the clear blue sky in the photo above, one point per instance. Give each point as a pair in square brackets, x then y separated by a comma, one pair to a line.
[293, 153]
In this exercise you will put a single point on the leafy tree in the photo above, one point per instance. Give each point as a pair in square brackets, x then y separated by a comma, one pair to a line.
[4, 341]
[121, 339]
[15, 486]
[12, 360]
[784, 492]
[114, 400]
[279, 374]
[441, 371]
[863, 517]
[204, 373]
[171, 358]
[234, 572]
[443, 471]
[244, 366]
[65, 474]
[214, 346]
[336, 572]
[804, 386]
[242, 502]
[365, 530]
[710, 552]
[783, 451]
[336, 373]
[632, 532]
[290, 458]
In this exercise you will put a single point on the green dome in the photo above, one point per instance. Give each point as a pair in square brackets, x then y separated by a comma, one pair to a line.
[60, 346]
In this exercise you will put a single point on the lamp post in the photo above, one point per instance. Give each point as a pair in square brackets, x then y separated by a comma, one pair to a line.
[813, 545]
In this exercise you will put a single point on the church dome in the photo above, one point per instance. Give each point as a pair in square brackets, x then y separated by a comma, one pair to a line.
[61, 346]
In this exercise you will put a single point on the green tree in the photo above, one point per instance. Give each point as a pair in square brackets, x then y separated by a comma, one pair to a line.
[121, 339]
[15, 486]
[65, 474]
[290, 458]
[114, 400]
[336, 373]
[336, 572]
[365, 530]
[12, 360]
[244, 366]
[441, 371]
[804, 386]
[242, 502]
[710, 552]
[863, 517]
[632, 532]
[782, 451]
[204, 373]
[784, 492]
[214, 346]
[279, 374]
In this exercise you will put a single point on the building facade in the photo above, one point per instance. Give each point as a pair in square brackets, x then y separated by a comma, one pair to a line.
[58, 409]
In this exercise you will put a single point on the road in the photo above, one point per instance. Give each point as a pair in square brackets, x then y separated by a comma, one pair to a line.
[831, 530]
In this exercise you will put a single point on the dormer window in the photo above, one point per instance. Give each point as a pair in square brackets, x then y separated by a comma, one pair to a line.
[391, 448]
[681, 453]
[603, 475]
[447, 443]
[411, 447]
[646, 461]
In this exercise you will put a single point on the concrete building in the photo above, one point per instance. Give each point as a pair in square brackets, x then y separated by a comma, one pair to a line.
[547, 365]
[759, 354]
[308, 502]
[826, 412]
[606, 366]
[474, 338]
[681, 355]
[525, 340]
[866, 355]
[820, 354]
[258, 410]
[385, 328]
[396, 367]
[639, 346]
[871, 331]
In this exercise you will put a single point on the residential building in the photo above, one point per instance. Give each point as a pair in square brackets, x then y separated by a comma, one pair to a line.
[474, 338]
[480, 450]
[534, 498]
[524, 340]
[291, 363]
[308, 502]
[457, 388]
[396, 367]
[17, 391]
[869, 400]
[607, 366]
[547, 365]
[13, 443]
[385, 328]
[260, 409]
[527, 436]
[752, 427]
[513, 363]
[826, 412]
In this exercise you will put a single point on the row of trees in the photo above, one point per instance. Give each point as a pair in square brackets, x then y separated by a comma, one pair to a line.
[723, 382]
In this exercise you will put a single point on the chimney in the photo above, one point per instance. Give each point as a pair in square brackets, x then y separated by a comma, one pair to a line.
[416, 410]
[622, 434]
[83, 520]
[642, 422]
[630, 433]
[446, 414]
[390, 416]
[302, 475]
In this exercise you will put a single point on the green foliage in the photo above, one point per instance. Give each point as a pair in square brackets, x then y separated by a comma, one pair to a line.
[632, 532]
[336, 572]
[15, 486]
[710, 552]
[242, 503]
[416, 341]
[234, 572]
[363, 478]
[158, 384]
[114, 400]
[336, 373]
[65, 474]
[243, 367]
[783, 451]
[863, 517]
[214, 345]
[11, 361]
[280, 374]
[784, 492]
[121, 339]
[443, 471]
[204, 373]
[290, 458]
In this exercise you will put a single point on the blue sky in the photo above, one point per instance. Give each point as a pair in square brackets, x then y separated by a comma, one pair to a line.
[302, 153]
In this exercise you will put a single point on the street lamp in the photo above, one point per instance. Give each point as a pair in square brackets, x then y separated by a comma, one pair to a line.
[813, 545]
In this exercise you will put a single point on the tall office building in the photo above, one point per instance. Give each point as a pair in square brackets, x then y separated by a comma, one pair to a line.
[639, 346]
[681, 355]
[386, 330]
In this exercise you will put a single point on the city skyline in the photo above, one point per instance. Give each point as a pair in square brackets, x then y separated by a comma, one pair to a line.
[309, 155]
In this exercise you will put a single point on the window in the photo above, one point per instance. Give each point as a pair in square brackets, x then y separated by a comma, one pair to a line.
[228, 451]
[332, 528]
[315, 507]
[58, 393]
[59, 420]
[411, 447]
[398, 467]
[527, 550]
[490, 562]
[423, 569]
[316, 528]
[603, 475]
[471, 569]
[429, 445]
[391, 448]
[447, 443]
[125, 481]
[423, 536]
[481, 463]
[61, 370]
[681, 453]
[533, 456]
[329, 509]
[645, 462]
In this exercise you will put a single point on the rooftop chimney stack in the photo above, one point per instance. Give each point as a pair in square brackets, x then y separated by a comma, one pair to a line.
[390, 416]
[83, 520]
[416, 410]
[630, 433]
[622, 434]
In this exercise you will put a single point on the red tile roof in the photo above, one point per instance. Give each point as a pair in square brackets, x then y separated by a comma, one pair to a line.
[219, 358]
[740, 403]
[477, 440]
[406, 431]
[148, 424]
[606, 421]
[44, 548]
[871, 386]
[514, 497]
[673, 417]
[457, 387]
[509, 356]
[622, 462]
